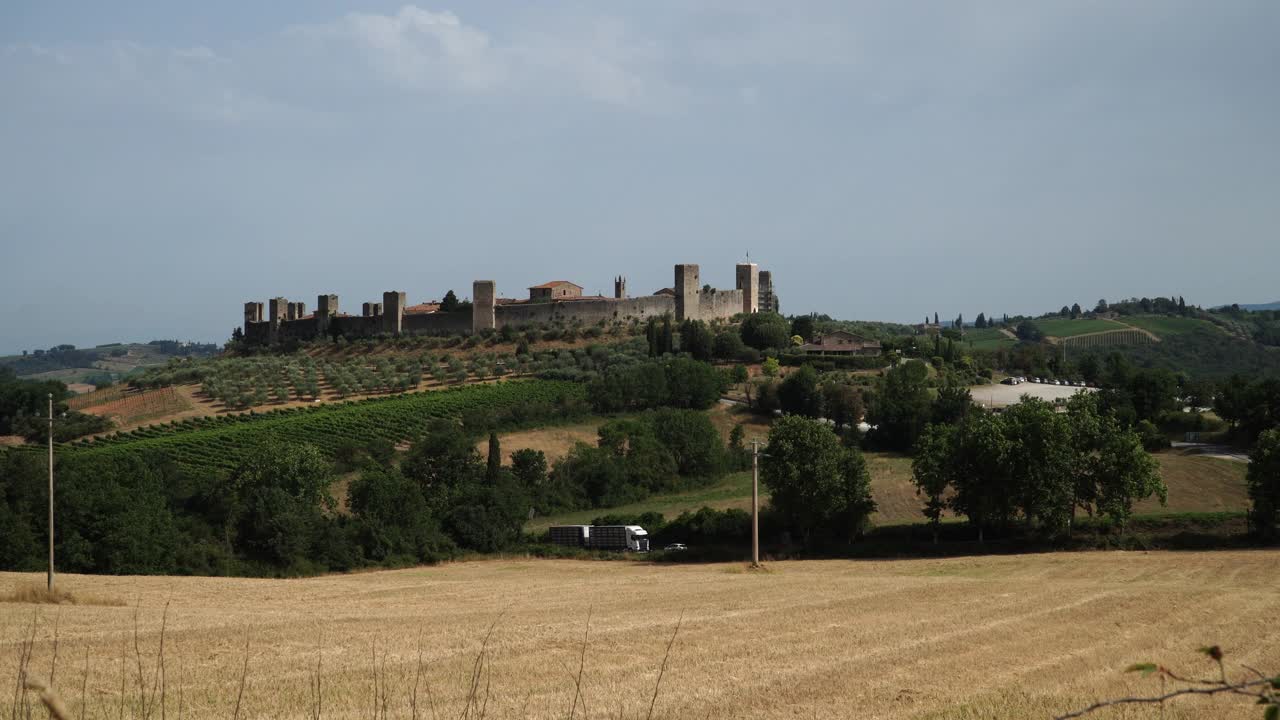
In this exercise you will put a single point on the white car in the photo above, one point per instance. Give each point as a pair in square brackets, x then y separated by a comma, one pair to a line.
[676, 547]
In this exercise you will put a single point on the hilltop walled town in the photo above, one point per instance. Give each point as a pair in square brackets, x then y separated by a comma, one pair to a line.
[557, 301]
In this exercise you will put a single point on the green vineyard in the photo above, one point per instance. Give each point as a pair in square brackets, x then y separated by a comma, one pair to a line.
[222, 441]
[1107, 339]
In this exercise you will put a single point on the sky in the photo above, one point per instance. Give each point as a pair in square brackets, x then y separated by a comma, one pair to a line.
[163, 162]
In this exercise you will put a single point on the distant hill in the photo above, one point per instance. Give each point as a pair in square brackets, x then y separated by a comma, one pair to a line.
[1267, 306]
[105, 362]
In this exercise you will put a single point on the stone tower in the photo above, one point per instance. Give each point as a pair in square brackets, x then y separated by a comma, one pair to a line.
[252, 313]
[326, 308]
[620, 287]
[749, 283]
[483, 295]
[393, 311]
[687, 287]
[278, 310]
[768, 300]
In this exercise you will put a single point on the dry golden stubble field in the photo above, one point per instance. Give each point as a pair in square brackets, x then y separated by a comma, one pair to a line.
[983, 637]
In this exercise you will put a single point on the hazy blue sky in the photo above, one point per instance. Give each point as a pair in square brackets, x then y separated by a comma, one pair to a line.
[163, 162]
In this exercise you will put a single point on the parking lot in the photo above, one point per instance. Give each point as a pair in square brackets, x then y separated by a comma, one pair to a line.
[995, 396]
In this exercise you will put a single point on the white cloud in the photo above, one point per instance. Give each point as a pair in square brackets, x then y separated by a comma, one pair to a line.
[437, 51]
[37, 51]
[416, 48]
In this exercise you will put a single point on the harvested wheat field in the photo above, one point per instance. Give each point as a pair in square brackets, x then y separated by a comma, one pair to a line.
[987, 637]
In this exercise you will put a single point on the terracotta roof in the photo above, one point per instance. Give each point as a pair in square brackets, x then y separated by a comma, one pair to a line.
[666, 291]
[422, 309]
[545, 301]
[554, 284]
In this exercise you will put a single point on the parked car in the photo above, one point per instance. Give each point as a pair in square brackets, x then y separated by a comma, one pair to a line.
[676, 547]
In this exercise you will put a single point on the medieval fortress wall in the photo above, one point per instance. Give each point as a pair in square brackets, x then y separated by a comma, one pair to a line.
[558, 302]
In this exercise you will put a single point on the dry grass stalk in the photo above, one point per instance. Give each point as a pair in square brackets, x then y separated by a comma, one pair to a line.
[48, 698]
[244, 676]
[149, 697]
[84, 683]
[53, 662]
[37, 594]
[663, 670]
[317, 695]
[582, 661]
[21, 705]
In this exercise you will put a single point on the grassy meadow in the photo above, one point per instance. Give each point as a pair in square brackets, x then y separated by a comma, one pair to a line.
[987, 339]
[1016, 636]
[1197, 484]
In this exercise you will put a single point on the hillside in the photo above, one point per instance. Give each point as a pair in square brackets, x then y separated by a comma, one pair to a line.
[105, 363]
[221, 442]
[1205, 346]
[1065, 327]
[1202, 351]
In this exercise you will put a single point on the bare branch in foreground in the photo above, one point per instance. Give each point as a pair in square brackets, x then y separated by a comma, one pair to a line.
[1263, 691]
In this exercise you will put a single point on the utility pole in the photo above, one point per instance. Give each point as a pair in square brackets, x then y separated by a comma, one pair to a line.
[755, 504]
[51, 492]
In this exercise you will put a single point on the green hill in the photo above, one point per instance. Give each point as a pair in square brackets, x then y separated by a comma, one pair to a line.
[987, 339]
[1166, 325]
[1066, 327]
[70, 364]
[1202, 351]
[223, 441]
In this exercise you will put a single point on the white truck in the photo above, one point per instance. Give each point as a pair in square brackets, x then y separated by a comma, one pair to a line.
[632, 538]
[629, 538]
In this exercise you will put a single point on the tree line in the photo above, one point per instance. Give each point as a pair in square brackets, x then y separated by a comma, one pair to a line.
[24, 410]
[275, 513]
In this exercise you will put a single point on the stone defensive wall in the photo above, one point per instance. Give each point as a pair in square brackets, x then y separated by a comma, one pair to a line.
[588, 311]
[284, 320]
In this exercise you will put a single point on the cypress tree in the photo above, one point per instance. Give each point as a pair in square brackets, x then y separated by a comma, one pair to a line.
[495, 457]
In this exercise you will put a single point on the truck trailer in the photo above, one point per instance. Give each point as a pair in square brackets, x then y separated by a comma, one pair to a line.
[570, 535]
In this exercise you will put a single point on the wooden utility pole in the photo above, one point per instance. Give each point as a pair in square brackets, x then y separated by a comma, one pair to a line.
[51, 492]
[755, 504]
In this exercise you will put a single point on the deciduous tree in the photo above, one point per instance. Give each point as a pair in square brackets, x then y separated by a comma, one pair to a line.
[1264, 485]
[819, 488]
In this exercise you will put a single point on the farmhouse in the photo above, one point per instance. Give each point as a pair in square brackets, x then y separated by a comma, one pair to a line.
[554, 290]
[841, 343]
